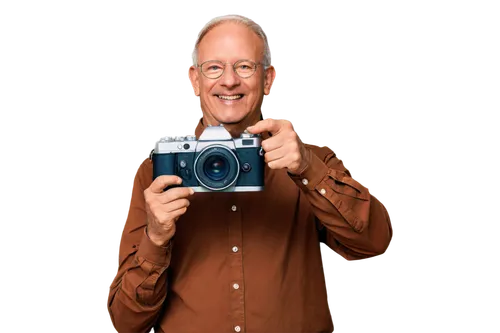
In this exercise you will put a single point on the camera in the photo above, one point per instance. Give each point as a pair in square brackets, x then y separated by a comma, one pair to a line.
[214, 162]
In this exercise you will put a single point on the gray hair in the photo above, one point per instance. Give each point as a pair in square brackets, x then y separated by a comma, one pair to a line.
[238, 19]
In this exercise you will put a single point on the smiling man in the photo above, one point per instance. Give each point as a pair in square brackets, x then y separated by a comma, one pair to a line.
[231, 74]
[241, 261]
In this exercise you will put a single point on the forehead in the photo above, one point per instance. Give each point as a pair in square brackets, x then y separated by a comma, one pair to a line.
[230, 41]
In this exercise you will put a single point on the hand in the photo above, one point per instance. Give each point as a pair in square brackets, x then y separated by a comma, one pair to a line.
[284, 149]
[164, 208]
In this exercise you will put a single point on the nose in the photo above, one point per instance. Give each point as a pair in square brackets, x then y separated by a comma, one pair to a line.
[229, 78]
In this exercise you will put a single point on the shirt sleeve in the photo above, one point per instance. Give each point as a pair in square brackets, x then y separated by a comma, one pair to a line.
[351, 221]
[140, 287]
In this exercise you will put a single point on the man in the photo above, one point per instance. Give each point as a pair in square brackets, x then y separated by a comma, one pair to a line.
[241, 261]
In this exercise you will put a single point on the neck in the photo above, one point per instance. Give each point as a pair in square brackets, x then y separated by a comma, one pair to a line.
[236, 129]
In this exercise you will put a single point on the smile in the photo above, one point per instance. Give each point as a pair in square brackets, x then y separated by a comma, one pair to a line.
[230, 98]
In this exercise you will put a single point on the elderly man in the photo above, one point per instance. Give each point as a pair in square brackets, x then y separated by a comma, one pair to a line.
[241, 261]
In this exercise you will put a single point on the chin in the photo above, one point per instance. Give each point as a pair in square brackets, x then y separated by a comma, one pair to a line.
[231, 119]
[231, 122]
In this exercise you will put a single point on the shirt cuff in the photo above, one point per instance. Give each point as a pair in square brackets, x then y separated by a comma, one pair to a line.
[149, 251]
[312, 175]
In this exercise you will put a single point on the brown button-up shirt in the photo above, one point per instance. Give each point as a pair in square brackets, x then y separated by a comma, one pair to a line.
[246, 261]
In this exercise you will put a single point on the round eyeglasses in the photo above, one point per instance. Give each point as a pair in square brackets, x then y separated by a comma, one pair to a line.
[213, 69]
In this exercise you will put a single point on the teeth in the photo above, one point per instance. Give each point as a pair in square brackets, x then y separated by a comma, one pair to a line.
[230, 98]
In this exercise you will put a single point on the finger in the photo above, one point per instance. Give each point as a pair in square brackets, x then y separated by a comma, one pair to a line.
[274, 155]
[272, 143]
[285, 161]
[175, 193]
[175, 205]
[270, 125]
[174, 214]
[283, 158]
[159, 184]
[279, 163]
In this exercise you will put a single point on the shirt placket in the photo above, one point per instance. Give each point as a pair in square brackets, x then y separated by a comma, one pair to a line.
[236, 283]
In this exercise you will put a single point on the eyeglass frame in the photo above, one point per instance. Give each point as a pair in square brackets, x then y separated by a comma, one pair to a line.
[257, 64]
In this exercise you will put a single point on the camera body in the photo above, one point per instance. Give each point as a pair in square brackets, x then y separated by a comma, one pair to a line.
[214, 162]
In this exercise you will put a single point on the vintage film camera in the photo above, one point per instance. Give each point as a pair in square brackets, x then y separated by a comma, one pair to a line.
[214, 162]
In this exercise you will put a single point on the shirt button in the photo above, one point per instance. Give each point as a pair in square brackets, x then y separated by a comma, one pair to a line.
[322, 191]
[236, 286]
[233, 208]
[305, 181]
[237, 328]
[235, 249]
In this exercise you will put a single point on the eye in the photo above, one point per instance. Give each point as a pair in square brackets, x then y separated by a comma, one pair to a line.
[211, 67]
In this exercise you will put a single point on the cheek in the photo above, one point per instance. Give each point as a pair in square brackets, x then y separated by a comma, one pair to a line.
[256, 89]
[206, 90]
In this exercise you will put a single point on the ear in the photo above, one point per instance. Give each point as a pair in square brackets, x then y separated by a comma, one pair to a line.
[195, 79]
[269, 76]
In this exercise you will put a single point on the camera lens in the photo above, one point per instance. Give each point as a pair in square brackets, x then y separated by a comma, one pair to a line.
[216, 167]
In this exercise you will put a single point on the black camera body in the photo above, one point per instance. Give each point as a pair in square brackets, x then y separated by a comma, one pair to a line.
[214, 162]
